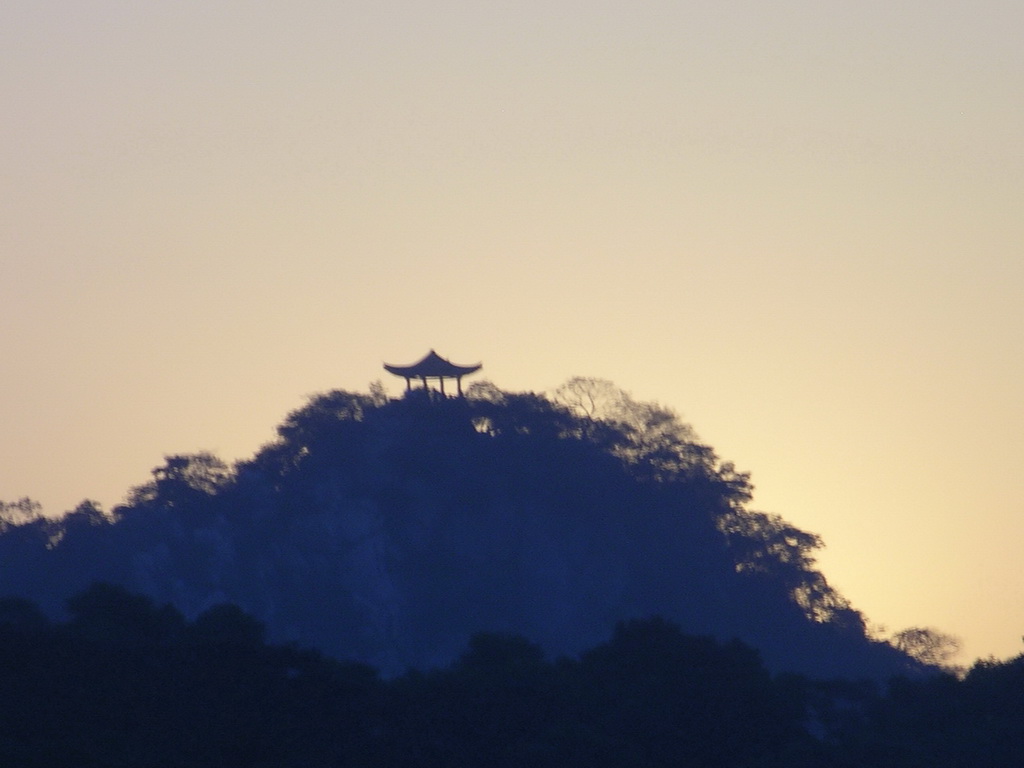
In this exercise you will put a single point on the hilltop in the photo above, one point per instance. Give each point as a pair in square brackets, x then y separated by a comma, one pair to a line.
[389, 531]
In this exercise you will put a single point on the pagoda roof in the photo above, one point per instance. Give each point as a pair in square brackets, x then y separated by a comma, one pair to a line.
[432, 366]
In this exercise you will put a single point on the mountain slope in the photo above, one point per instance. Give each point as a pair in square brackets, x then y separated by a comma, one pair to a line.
[389, 531]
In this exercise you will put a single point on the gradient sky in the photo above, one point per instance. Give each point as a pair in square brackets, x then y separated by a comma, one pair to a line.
[797, 223]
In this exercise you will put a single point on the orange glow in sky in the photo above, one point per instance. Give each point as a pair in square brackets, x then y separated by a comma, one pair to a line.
[797, 223]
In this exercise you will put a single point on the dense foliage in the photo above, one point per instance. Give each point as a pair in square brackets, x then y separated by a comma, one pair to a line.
[391, 531]
[126, 682]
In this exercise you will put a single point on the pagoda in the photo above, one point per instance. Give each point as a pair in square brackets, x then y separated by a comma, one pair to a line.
[433, 366]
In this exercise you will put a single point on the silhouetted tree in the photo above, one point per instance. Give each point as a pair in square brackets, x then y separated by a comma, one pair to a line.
[927, 645]
[660, 697]
[109, 613]
[20, 512]
[182, 481]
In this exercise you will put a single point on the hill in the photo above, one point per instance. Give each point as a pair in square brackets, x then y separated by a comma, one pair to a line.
[391, 531]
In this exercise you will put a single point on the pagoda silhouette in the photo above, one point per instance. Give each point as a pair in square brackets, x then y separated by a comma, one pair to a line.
[433, 366]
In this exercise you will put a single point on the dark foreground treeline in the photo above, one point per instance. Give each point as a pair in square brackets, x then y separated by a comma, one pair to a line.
[124, 682]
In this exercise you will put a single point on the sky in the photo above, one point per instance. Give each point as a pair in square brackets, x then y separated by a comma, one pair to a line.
[797, 223]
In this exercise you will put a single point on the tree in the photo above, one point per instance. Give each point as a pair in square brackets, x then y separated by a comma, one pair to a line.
[485, 390]
[182, 479]
[648, 437]
[592, 398]
[927, 645]
[658, 696]
[378, 394]
[19, 512]
[109, 613]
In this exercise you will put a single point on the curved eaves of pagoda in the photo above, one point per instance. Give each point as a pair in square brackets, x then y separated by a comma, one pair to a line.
[433, 366]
